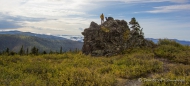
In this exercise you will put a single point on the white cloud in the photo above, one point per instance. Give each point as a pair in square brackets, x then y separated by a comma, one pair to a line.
[60, 15]
[60, 26]
[60, 8]
[146, 1]
[46, 8]
[171, 8]
[67, 16]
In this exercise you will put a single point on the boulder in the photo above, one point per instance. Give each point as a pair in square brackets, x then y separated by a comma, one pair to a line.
[112, 37]
[106, 39]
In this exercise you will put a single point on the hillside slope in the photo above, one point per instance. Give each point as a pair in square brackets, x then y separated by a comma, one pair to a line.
[15, 41]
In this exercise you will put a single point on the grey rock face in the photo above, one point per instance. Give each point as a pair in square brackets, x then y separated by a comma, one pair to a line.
[110, 38]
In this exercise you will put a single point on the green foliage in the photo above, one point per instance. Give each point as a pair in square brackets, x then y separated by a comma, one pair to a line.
[27, 51]
[105, 29]
[21, 52]
[7, 50]
[44, 44]
[134, 24]
[178, 75]
[34, 51]
[61, 50]
[173, 51]
[169, 42]
[135, 27]
[126, 35]
[72, 68]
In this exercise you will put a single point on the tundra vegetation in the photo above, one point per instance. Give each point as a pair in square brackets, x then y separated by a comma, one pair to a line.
[168, 60]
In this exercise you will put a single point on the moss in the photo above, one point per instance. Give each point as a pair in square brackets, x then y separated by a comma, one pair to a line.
[126, 35]
[105, 29]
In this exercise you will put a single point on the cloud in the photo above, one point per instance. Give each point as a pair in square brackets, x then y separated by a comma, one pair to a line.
[171, 8]
[19, 18]
[46, 8]
[81, 29]
[60, 8]
[9, 24]
[146, 1]
[72, 16]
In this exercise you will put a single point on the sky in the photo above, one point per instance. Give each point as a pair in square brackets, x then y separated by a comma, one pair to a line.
[158, 18]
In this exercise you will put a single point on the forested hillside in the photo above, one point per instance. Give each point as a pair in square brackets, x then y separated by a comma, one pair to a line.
[15, 41]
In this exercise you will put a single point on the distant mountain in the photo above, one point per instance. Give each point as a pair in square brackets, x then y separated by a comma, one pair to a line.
[179, 41]
[15, 39]
[31, 34]
[80, 38]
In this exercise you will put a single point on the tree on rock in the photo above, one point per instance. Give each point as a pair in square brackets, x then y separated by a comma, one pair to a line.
[136, 28]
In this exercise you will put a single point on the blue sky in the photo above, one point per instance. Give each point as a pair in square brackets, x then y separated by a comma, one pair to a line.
[158, 18]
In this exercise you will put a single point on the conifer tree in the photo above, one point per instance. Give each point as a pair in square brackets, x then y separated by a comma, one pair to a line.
[44, 52]
[134, 23]
[76, 50]
[21, 52]
[27, 51]
[7, 51]
[12, 53]
[61, 50]
[51, 52]
[37, 50]
[34, 51]
[136, 28]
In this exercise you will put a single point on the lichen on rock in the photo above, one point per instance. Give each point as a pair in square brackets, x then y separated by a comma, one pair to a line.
[108, 39]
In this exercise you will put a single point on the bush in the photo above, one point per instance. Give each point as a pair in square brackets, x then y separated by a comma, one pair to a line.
[169, 42]
[173, 51]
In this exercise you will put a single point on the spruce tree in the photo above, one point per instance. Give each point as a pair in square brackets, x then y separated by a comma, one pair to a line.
[21, 52]
[61, 50]
[76, 50]
[134, 23]
[50, 52]
[27, 51]
[34, 51]
[136, 28]
[37, 50]
[44, 52]
[7, 51]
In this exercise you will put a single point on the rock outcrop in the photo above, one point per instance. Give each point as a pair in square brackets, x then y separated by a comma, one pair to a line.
[110, 38]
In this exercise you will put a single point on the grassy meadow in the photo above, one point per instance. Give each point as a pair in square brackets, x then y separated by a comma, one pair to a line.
[168, 64]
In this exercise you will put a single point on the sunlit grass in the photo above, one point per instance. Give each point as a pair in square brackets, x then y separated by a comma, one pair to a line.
[75, 68]
[70, 69]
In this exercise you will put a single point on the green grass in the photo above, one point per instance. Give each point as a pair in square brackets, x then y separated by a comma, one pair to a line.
[76, 69]
[71, 69]
[173, 51]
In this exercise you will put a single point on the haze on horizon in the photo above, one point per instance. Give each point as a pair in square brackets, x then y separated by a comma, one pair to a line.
[159, 18]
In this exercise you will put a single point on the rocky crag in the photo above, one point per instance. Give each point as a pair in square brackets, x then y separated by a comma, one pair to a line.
[112, 37]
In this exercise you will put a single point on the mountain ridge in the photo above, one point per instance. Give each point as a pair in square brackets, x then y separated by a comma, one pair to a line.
[14, 40]
[77, 37]
[65, 41]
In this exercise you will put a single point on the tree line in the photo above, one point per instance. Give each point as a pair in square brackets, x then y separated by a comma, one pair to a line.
[34, 51]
